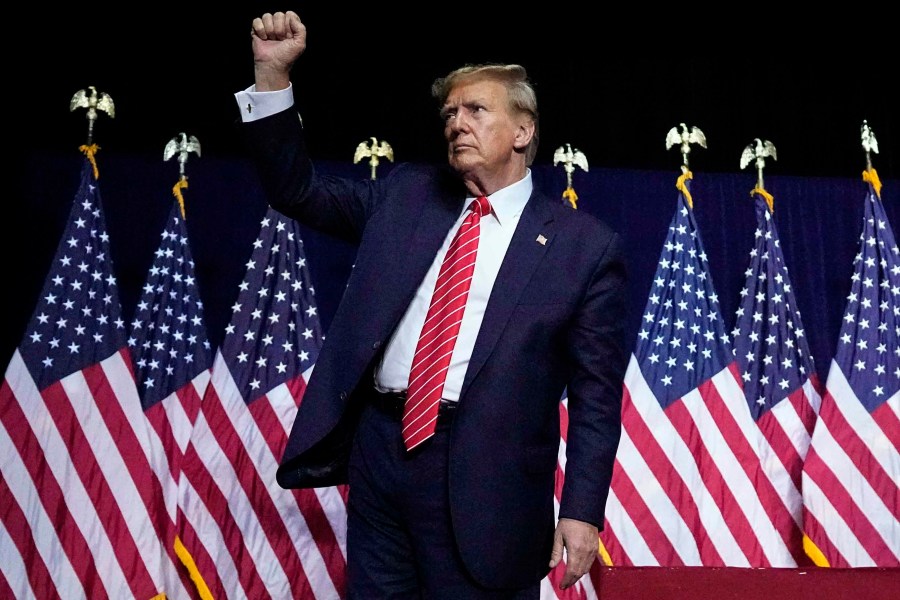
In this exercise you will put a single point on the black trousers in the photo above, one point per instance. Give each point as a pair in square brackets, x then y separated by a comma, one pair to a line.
[400, 543]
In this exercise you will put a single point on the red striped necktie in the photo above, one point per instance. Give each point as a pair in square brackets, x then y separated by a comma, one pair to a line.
[448, 302]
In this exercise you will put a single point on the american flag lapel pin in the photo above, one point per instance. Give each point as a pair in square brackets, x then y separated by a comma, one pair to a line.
[541, 240]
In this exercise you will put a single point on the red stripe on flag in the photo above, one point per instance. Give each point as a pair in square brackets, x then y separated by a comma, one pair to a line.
[275, 529]
[134, 455]
[669, 479]
[217, 507]
[128, 554]
[307, 500]
[819, 536]
[746, 455]
[159, 421]
[714, 481]
[836, 491]
[650, 530]
[859, 452]
[781, 441]
[190, 400]
[19, 530]
[889, 423]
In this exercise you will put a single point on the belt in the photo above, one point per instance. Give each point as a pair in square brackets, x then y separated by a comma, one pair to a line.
[391, 404]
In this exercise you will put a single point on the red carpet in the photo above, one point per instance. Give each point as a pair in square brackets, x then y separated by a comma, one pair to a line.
[730, 583]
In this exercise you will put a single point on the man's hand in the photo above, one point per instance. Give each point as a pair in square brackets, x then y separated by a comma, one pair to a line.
[581, 542]
[278, 40]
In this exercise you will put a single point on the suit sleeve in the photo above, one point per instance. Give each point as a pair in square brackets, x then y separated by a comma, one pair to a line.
[596, 342]
[334, 205]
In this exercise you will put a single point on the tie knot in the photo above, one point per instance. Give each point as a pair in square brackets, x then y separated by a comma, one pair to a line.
[481, 206]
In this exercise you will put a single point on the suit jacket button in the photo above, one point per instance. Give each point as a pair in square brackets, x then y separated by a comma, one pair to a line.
[343, 395]
[376, 345]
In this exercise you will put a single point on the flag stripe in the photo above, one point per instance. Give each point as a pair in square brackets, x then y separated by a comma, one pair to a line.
[858, 523]
[76, 510]
[637, 552]
[663, 551]
[127, 430]
[243, 479]
[676, 466]
[201, 525]
[787, 428]
[673, 506]
[27, 569]
[817, 535]
[324, 509]
[75, 411]
[851, 450]
[757, 494]
[710, 446]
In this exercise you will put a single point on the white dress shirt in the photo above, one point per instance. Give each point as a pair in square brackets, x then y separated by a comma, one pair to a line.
[496, 232]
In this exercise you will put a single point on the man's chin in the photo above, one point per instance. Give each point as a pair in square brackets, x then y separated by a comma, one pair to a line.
[463, 161]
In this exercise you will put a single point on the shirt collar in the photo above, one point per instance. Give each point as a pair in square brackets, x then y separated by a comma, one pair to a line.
[508, 203]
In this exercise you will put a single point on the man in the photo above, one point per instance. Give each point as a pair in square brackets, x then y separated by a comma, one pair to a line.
[451, 482]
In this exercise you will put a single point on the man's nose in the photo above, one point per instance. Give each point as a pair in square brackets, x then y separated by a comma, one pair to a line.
[459, 122]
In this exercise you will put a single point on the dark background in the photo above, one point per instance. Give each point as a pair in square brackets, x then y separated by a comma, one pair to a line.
[612, 85]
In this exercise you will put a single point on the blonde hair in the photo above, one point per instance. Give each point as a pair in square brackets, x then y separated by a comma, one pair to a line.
[522, 97]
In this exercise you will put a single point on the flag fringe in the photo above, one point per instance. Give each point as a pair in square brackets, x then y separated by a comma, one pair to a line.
[570, 196]
[870, 175]
[604, 554]
[188, 561]
[770, 200]
[176, 191]
[814, 553]
[90, 151]
[683, 188]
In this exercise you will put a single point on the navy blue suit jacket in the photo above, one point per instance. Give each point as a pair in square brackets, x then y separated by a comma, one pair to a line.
[553, 323]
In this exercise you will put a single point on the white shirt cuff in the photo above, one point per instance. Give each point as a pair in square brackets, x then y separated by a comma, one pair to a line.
[256, 105]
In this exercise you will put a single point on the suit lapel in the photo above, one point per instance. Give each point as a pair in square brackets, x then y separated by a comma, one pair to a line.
[529, 243]
[434, 220]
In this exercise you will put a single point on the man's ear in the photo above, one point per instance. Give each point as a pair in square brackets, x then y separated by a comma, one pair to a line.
[524, 133]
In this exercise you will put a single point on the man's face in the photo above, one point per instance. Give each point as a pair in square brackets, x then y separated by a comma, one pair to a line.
[480, 130]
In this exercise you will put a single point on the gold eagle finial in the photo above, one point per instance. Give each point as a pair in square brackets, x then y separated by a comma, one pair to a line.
[758, 151]
[181, 145]
[869, 143]
[93, 101]
[372, 151]
[570, 158]
[684, 139]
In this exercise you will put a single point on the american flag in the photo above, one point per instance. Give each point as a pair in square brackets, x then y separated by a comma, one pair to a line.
[851, 477]
[776, 366]
[79, 502]
[688, 487]
[172, 357]
[248, 537]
